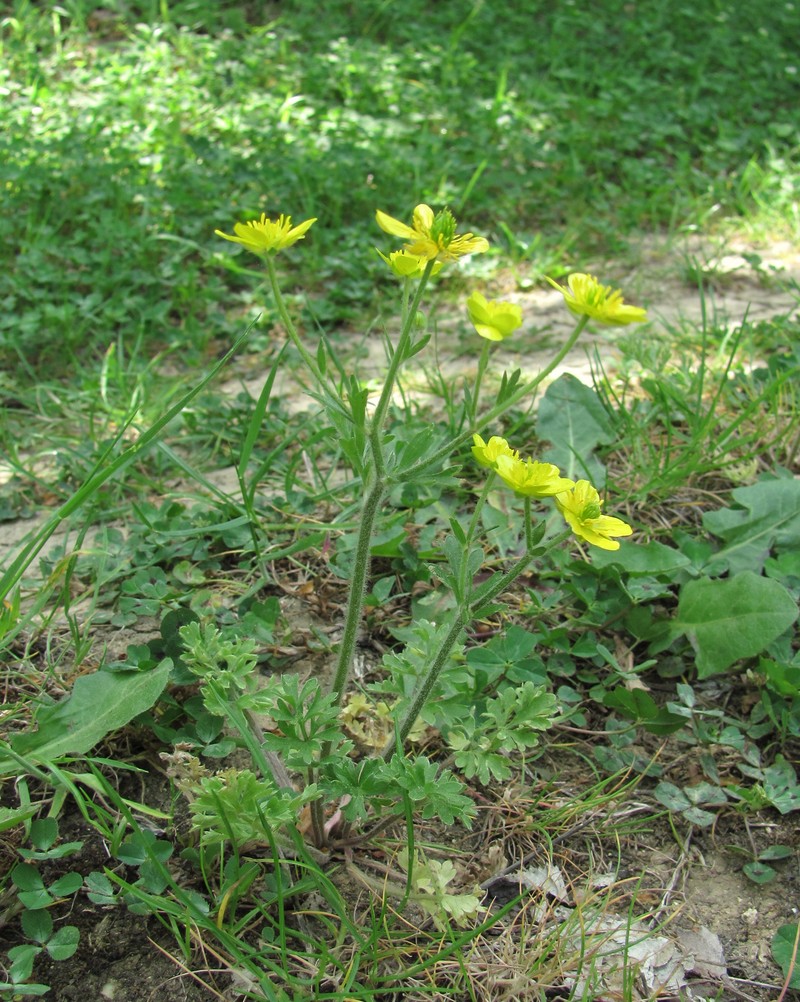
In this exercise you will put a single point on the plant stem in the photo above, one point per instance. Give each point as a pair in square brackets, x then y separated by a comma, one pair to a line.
[358, 582]
[291, 330]
[398, 357]
[374, 496]
[499, 409]
[462, 620]
[482, 363]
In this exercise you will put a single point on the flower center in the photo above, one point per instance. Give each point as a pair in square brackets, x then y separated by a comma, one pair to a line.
[443, 228]
[591, 510]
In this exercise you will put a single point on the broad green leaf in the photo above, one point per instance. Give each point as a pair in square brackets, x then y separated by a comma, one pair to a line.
[728, 620]
[637, 558]
[785, 952]
[768, 516]
[639, 705]
[758, 872]
[37, 924]
[99, 704]
[64, 942]
[10, 817]
[572, 418]
[671, 796]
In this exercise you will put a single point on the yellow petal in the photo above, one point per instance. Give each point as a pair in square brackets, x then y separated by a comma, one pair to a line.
[393, 226]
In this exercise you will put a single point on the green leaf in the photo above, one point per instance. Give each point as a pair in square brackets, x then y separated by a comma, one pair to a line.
[27, 878]
[642, 559]
[728, 620]
[572, 418]
[758, 872]
[638, 705]
[671, 796]
[68, 884]
[99, 888]
[436, 792]
[22, 958]
[774, 852]
[780, 786]
[699, 817]
[144, 845]
[44, 832]
[10, 817]
[37, 924]
[99, 704]
[768, 515]
[64, 943]
[785, 952]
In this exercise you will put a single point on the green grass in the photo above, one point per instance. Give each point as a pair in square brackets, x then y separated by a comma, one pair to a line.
[126, 139]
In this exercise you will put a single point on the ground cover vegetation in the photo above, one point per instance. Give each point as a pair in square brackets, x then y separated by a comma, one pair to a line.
[375, 678]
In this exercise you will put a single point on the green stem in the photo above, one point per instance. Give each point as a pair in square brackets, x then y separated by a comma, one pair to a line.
[248, 728]
[375, 494]
[358, 582]
[317, 816]
[425, 685]
[476, 514]
[398, 357]
[462, 620]
[291, 330]
[482, 363]
[499, 409]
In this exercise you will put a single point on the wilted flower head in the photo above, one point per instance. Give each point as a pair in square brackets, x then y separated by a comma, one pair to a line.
[487, 453]
[585, 296]
[432, 236]
[581, 508]
[267, 236]
[493, 320]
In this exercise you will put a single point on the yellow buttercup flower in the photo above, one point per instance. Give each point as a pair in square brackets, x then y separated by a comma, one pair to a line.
[581, 507]
[585, 296]
[493, 320]
[432, 236]
[407, 265]
[487, 453]
[267, 236]
[532, 479]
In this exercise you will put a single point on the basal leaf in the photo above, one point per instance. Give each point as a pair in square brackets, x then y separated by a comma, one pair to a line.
[785, 952]
[99, 704]
[767, 516]
[732, 619]
[572, 418]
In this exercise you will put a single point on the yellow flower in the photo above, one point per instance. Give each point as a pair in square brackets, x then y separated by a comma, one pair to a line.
[585, 296]
[487, 454]
[532, 479]
[493, 320]
[581, 509]
[267, 236]
[407, 265]
[432, 236]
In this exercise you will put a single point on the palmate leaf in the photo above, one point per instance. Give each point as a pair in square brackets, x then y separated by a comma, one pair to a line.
[437, 793]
